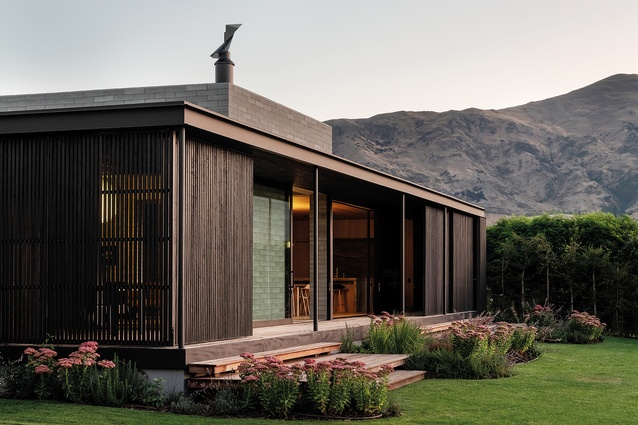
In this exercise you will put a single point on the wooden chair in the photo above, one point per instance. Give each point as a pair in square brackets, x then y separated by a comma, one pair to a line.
[304, 300]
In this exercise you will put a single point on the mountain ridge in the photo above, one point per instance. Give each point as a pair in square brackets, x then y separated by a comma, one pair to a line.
[573, 153]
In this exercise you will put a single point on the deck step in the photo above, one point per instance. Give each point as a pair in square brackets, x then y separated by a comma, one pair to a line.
[396, 379]
[437, 328]
[400, 378]
[373, 362]
[216, 367]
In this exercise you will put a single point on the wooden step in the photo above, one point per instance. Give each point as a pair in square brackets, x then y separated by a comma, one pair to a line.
[372, 362]
[396, 379]
[437, 328]
[400, 378]
[215, 367]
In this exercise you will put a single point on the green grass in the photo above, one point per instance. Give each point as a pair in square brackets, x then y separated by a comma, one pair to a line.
[569, 384]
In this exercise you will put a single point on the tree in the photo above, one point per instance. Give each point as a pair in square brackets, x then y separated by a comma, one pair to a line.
[571, 264]
[525, 256]
[594, 262]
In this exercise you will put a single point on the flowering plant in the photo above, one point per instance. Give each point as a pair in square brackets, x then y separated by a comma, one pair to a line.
[583, 328]
[469, 338]
[329, 388]
[541, 316]
[274, 384]
[80, 377]
[75, 370]
[40, 367]
[523, 339]
[544, 319]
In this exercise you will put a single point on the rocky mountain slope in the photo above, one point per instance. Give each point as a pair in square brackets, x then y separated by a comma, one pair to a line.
[573, 153]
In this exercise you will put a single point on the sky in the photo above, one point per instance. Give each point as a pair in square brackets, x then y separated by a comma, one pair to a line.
[325, 58]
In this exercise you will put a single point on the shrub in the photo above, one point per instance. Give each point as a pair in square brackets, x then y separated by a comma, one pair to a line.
[347, 342]
[475, 349]
[16, 380]
[221, 398]
[544, 319]
[500, 340]
[453, 365]
[388, 334]
[469, 338]
[541, 316]
[523, 339]
[583, 328]
[183, 405]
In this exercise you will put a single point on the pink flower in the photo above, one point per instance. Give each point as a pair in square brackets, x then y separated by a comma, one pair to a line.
[69, 362]
[47, 353]
[42, 369]
[246, 355]
[106, 364]
[89, 345]
[250, 378]
[30, 351]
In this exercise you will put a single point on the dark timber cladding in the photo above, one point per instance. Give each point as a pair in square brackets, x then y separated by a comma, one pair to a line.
[85, 238]
[462, 264]
[217, 243]
[434, 261]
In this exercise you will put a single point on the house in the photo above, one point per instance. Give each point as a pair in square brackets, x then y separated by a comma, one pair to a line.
[161, 220]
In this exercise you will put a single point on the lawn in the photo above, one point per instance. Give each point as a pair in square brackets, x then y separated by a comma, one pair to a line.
[569, 384]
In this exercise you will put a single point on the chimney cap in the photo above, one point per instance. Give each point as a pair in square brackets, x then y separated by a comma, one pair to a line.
[228, 38]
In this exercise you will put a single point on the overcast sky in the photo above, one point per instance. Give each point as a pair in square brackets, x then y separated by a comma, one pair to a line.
[325, 58]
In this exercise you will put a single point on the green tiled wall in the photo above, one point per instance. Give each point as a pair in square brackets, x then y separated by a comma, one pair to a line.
[271, 232]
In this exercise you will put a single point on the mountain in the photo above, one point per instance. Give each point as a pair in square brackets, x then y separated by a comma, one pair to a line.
[573, 153]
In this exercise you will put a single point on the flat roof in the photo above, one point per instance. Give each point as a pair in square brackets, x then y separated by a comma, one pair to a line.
[273, 156]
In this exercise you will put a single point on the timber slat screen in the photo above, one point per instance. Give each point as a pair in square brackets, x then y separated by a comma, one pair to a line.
[217, 243]
[85, 249]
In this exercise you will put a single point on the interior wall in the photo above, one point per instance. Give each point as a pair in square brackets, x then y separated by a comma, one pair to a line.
[353, 250]
[323, 257]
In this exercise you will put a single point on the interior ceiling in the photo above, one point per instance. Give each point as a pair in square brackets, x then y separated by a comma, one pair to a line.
[340, 211]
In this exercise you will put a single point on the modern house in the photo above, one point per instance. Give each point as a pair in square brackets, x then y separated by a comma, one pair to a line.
[161, 220]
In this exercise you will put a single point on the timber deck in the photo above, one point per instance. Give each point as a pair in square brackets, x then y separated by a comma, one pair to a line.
[294, 343]
[225, 369]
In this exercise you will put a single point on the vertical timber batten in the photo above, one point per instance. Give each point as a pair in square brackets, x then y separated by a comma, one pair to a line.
[330, 257]
[403, 242]
[315, 265]
[181, 337]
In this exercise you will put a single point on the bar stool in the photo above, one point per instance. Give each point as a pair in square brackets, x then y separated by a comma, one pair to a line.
[339, 298]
